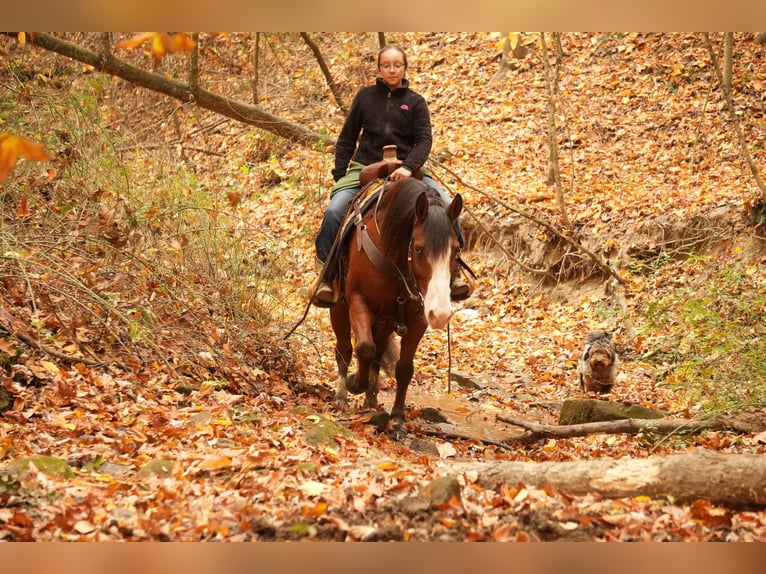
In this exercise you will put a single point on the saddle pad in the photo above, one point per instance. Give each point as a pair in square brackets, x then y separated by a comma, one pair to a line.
[361, 203]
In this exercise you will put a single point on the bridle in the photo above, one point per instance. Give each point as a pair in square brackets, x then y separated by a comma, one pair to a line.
[408, 284]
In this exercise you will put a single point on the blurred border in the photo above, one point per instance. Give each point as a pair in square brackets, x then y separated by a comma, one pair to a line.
[382, 558]
[366, 15]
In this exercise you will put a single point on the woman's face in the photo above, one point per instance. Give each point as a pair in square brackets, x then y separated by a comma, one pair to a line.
[392, 68]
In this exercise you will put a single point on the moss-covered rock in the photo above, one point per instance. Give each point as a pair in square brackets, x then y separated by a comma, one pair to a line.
[158, 467]
[324, 432]
[49, 465]
[579, 411]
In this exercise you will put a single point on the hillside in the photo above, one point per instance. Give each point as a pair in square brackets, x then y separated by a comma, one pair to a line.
[148, 284]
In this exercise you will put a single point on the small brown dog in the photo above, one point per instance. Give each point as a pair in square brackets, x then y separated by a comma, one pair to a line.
[598, 365]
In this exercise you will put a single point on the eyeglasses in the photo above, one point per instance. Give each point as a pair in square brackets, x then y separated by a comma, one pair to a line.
[395, 66]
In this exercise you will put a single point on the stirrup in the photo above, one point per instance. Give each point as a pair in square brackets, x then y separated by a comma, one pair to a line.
[462, 286]
[324, 295]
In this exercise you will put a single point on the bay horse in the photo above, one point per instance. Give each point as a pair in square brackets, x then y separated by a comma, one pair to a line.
[398, 261]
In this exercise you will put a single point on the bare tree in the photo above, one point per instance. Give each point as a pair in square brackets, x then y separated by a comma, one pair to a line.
[728, 65]
[554, 172]
[256, 66]
[733, 113]
[326, 71]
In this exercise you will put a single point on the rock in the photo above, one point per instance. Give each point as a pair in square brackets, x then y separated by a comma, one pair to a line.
[325, 432]
[49, 465]
[442, 490]
[579, 411]
[6, 399]
[158, 467]
[379, 420]
[433, 415]
[464, 380]
[423, 445]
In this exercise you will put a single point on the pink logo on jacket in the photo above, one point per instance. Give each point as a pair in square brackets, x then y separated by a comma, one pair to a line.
[404, 107]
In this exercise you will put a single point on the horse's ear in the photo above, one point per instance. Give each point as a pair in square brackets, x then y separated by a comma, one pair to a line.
[454, 208]
[421, 207]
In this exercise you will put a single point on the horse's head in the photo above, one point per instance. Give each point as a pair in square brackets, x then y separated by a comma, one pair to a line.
[434, 253]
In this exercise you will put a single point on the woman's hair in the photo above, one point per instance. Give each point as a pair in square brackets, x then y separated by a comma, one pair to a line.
[392, 47]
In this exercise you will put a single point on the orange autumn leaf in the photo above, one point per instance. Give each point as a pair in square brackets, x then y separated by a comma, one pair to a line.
[314, 511]
[13, 147]
[161, 43]
[23, 209]
[215, 463]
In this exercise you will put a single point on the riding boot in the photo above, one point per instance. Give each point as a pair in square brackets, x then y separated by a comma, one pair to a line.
[324, 293]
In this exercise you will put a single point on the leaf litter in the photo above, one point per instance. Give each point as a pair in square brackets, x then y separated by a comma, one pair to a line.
[234, 462]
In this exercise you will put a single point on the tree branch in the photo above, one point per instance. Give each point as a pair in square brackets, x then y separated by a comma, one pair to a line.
[248, 114]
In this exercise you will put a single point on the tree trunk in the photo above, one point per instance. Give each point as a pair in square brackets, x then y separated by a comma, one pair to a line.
[554, 172]
[252, 115]
[733, 113]
[728, 56]
[737, 480]
[256, 66]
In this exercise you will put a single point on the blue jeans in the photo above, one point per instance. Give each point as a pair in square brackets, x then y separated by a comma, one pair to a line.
[333, 217]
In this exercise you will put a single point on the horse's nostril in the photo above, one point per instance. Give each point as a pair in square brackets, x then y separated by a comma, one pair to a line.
[438, 319]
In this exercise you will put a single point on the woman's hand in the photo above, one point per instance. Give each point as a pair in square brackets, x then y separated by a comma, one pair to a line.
[400, 173]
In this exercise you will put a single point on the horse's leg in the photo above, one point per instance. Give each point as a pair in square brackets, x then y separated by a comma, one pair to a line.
[361, 325]
[382, 337]
[404, 371]
[342, 328]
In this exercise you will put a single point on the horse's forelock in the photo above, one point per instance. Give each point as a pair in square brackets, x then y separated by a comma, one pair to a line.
[400, 214]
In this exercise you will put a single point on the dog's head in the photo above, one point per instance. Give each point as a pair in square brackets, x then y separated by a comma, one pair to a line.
[600, 359]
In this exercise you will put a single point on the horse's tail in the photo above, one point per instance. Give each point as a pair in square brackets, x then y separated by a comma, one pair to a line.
[390, 357]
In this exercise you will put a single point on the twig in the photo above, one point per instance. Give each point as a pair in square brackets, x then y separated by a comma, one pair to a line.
[326, 71]
[458, 436]
[595, 258]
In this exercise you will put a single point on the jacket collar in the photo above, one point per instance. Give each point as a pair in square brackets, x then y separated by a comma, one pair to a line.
[381, 85]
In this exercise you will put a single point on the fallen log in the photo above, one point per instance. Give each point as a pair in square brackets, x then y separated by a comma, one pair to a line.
[735, 480]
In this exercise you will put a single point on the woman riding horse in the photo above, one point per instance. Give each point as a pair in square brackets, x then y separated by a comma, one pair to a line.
[387, 113]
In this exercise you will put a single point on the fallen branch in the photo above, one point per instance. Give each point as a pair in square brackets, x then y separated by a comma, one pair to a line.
[748, 420]
[537, 431]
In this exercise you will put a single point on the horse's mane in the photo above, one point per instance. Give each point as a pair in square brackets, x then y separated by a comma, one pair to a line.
[397, 226]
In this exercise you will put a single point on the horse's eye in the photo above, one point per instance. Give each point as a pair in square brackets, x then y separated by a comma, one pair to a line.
[419, 250]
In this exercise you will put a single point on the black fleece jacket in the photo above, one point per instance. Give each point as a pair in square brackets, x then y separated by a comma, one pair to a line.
[384, 117]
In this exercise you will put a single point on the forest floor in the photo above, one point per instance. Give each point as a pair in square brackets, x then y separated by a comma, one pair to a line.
[241, 441]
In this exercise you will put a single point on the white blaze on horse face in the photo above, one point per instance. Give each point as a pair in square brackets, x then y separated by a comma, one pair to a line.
[436, 303]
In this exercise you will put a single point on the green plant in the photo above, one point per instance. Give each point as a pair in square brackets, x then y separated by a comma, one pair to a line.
[713, 329]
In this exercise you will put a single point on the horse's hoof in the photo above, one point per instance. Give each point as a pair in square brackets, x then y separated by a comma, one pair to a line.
[340, 401]
[352, 385]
